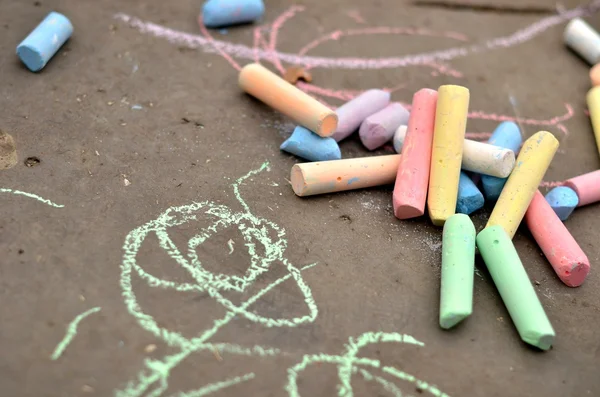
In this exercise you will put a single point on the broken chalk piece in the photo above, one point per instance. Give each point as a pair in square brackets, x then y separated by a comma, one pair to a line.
[469, 198]
[593, 102]
[506, 135]
[563, 201]
[412, 178]
[379, 128]
[458, 269]
[265, 85]
[354, 112]
[220, 13]
[560, 248]
[583, 39]
[44, 41]
[399, 136]
[308, 145]
[532, 163]
[512, 282]
[587, 187]
[339, 175]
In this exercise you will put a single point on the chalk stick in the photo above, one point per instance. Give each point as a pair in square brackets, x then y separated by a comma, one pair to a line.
[446, 155]
[587, 187]
[563, 201]
[458, 268]
[508, 136]
[265, 85]
[518, 295]
[533, 161]
[44, 41]
[469, 198]
[221, 13]
[354, 112]
[412, 178]
[560, 248]
[339, 175]
[595, 75]
[399, 136]
[583, 39]
[379, 128]
[308, 145]
[593, 102]
[478, 157]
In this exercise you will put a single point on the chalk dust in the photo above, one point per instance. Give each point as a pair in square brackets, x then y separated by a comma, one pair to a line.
[8, 151]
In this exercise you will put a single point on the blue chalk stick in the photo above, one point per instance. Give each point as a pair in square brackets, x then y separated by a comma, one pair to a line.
[470, 198]
[563, 201]
[219, 13]
[308, 145]
[506, 135]
[44, 41]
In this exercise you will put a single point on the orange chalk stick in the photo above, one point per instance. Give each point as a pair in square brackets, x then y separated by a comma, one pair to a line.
[339, 175]
[587, 187]
[562, 251]
[265, 85]
[412, 179]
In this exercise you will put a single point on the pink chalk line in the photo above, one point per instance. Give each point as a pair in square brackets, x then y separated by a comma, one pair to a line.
[355, 15]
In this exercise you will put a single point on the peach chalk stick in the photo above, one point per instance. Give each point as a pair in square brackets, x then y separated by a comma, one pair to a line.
[560, 248]
[447, 151]
[533, 161]
[595, 75]
[593, 102]
[265, 85]
[339, 175]
[587, 187]
[412, 178]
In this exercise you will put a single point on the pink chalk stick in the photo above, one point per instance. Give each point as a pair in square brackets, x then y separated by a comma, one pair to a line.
[412, 179]
[353, 112]
[560, 248]
[379, 128]
[587, 187]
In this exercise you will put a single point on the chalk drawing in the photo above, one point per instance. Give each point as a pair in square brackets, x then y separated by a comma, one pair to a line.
[31, 195]
[71, 333]
[153, 379]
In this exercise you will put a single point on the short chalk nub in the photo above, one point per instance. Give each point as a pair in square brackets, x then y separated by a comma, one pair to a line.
[512, 282]
[44, 41]
[583, 39]
[221, 13]
[399, 136]
[380, 127]
[458, 268]
[308, 145]
[354, 112]
[470, 198]
[563, 201]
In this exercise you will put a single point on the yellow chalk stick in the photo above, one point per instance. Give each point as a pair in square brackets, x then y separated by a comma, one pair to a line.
[593, 101]
[447, 151]
[533, 161]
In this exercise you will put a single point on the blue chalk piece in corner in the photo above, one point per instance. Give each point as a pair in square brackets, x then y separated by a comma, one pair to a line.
[470, 198]
[563, 201]
[308, 145]
[44, 41]
[507, 135]
[492, 186]
[220, 13]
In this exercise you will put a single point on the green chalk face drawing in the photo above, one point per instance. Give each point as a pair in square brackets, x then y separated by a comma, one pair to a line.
[265, 243]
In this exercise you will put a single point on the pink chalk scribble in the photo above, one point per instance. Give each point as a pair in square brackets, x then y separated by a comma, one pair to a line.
[355, 15]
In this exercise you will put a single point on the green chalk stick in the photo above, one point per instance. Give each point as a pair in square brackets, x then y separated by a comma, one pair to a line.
[458, 268]
[514, 286]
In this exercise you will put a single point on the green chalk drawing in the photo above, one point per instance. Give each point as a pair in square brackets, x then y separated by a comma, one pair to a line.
[71, 333]
[31, 195]
[265, 243]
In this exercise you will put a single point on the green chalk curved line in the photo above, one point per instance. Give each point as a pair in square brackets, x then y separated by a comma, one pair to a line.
[31, 195]
[71, 333]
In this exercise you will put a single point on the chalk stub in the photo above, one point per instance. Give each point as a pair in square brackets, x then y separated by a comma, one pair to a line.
[470, 198]
[562, 200]
[583, 39]
[595, 75]
[354, 112]
[44, 41]
[308, 145]
[222, 13]
[587, 187]
[399, 136]
[380, 127]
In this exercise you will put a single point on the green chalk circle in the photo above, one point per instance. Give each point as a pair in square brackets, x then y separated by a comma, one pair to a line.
[458, 269]
[514, 286]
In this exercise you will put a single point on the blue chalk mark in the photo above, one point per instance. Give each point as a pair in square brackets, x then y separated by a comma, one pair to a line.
[44, 41]
[352, 180]
[563, 201]
[470, 198]
[220, 13]
[506, 135]
[310, 146]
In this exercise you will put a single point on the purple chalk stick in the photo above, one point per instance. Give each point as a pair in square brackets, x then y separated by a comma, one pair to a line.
[379, 128]
[352, 113]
